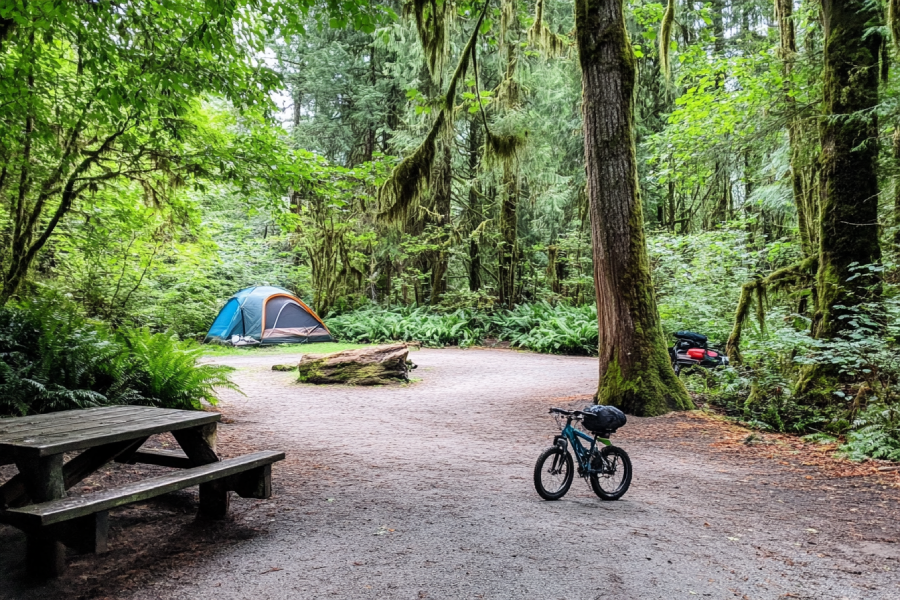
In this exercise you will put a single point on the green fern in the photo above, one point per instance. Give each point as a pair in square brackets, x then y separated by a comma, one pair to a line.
[541, 327]
[53, 359]
[161, 371]
[875, 434]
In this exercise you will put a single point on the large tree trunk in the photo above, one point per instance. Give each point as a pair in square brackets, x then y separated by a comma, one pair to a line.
[804, 201]
[474, 207]
[896, 154]
[848, 232]
[443, 178]
[635, 371]
[509, 245]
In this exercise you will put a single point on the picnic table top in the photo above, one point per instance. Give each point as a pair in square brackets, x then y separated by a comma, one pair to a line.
[55, 433]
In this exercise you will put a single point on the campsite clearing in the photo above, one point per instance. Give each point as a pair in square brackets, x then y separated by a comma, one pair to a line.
[424, 491]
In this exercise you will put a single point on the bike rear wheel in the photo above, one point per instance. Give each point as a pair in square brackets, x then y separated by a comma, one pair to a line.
[614, 476]
[553, 473]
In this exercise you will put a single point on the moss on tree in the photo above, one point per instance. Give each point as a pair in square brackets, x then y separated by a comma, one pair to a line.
[635, 370]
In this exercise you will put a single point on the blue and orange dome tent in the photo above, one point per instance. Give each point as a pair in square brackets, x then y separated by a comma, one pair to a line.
[267, 315]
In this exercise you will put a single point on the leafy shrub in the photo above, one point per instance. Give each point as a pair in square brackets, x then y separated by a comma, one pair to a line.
[50, 360]
[540, 326]
[53, 359]
[372, 324]
[555, 329]
[875, 434]
[158, 370]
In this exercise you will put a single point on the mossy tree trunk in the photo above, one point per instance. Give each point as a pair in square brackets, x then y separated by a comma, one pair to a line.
[474, 208]
[443, 180]
[552, 271]
[509, 245]
[848, 233]
[896, 154]
[635, 371]
[804, 199]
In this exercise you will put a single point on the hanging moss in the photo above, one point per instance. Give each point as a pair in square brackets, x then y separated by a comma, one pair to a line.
[400, 192]
[665, 33]
[540, 35]
[893, 21]
[798, 274]
[508, 92]
[410, 178]
[432, 28]
[733, 346]
[502, 147]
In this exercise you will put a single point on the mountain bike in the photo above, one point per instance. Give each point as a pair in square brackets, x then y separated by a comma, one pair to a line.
[608, 468]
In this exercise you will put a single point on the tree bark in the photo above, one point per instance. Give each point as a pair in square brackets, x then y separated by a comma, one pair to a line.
[474, 207]
[366, 366]
[896, 155]
[443, 178]
[635, 370]
[552, 271]
[848, 230]
[509, 246]
[804, 200]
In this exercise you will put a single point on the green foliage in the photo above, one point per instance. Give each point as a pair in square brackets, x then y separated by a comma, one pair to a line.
[372, 324]
[52, 359]
[875, 433]
[544, 328]
[540, 327]
[158, 370]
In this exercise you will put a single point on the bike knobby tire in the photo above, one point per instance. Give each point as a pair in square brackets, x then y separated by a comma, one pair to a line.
[553, 473]
[613, 482]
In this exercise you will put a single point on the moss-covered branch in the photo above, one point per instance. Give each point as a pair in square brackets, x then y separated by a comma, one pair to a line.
[756, 292]
[408, 179]
[540, 35]
[665, 34]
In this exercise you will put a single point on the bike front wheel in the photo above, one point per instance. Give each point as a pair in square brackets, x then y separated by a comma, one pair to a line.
[553, 473]
[611, 474]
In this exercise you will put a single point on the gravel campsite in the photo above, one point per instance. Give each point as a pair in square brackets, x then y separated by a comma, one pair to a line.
[425, 491]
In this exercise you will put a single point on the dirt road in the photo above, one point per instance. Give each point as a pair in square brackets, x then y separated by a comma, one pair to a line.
[425, 491]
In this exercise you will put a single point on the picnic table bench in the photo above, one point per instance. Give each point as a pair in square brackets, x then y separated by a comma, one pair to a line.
[35, 500]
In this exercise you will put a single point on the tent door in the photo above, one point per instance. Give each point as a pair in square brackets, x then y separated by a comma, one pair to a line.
[281, 310]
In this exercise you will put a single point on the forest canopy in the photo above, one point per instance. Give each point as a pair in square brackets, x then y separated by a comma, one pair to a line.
[418, 171]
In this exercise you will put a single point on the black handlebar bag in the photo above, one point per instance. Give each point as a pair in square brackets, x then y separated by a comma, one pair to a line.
[603, 419]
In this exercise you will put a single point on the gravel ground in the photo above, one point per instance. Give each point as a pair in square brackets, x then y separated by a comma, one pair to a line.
[425, 491]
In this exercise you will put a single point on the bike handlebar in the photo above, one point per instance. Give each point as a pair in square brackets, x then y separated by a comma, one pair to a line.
[567, 413]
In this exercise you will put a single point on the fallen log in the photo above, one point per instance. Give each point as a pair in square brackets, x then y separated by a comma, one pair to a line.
[365, 366]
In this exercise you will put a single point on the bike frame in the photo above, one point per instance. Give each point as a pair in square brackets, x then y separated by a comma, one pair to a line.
[570, 435]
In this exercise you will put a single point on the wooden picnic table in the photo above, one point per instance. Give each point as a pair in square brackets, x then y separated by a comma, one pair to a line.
[35, 498]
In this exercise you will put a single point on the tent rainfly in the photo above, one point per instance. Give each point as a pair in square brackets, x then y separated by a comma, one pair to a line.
[266, 315]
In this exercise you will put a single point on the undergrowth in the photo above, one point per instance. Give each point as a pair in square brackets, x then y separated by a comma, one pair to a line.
[53, 359]
[541, 327]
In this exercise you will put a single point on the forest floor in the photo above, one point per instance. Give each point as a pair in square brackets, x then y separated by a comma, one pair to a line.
[425, 491]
